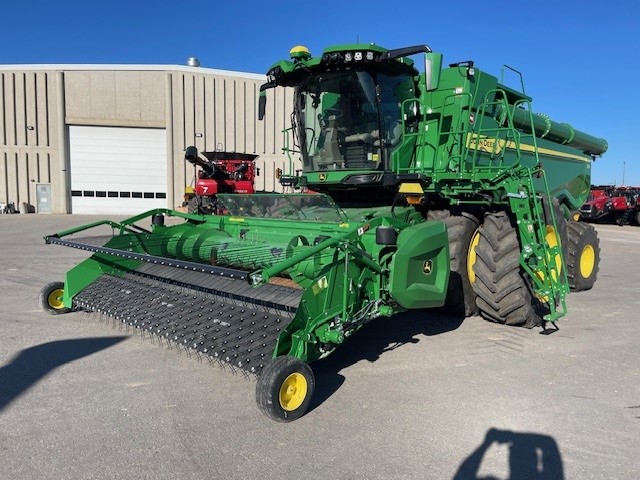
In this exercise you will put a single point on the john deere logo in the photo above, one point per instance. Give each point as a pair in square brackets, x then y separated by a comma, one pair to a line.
[427, 266]
[322, 177]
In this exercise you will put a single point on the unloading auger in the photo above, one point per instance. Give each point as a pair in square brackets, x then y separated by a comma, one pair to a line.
[279, 282]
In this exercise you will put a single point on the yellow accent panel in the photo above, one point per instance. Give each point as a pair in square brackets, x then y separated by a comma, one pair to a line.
[293, 391]
[320, 285]
[484, 143]
[189, 190]
[236, 219]
[411, 187]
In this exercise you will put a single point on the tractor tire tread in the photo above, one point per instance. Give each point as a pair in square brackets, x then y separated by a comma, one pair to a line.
[503, 296]
[460, 298]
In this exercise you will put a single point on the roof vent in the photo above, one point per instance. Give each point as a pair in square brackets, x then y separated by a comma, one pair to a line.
[193, 62]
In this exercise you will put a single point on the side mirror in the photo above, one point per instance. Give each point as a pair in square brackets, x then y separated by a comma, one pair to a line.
[432, 69]
[262, 105]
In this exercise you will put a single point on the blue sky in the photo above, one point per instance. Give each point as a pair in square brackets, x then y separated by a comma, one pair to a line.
[580, 59]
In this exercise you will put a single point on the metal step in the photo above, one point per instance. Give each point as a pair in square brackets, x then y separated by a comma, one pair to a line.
[226, 325]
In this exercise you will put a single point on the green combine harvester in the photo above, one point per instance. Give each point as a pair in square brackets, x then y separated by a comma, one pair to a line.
[435, 188]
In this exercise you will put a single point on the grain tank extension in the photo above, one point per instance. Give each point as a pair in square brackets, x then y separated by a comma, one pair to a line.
[438, 188]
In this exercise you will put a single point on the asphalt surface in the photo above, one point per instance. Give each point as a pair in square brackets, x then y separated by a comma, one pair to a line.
[416, 396]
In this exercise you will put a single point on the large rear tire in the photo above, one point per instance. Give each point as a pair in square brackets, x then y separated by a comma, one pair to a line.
[583, 259]
[502, 292]
[461, 298]
[285, 389]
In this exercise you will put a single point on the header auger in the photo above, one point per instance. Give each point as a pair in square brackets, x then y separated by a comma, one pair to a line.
[437, 189]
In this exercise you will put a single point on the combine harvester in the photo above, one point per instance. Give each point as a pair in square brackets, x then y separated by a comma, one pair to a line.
[432, 194]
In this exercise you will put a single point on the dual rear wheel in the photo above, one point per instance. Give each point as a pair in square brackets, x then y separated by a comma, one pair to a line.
[485, 266]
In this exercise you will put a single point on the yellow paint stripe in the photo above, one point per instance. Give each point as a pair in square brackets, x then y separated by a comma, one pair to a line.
[547, 151]
[411, 187]
[495, 146]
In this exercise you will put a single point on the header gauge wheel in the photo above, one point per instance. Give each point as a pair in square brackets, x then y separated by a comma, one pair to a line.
[285, 389]
[50, 298]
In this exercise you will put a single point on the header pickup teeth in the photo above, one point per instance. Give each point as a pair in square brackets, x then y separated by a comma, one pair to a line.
[225, 325]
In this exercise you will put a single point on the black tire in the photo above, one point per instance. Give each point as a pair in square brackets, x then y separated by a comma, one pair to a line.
[274, 398]
[637, 217]
[193, 206]
[583, 259]
[50, 298]
[461, 298]
[502, 293]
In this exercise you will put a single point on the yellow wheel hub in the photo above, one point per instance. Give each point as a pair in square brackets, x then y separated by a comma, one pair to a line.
[471, 256]
[587, 261]
[293, 391]
[55, 299]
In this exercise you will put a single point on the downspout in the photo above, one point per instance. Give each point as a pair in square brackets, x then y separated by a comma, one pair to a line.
[169, 140]
[63, 202]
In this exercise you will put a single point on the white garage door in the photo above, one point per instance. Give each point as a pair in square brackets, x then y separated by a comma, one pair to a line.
[117, 170]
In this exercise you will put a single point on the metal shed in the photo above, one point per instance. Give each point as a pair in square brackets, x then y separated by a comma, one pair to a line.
[111, 138]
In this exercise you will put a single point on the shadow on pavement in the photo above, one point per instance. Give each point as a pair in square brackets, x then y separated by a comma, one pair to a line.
[532, 456]
[34, 363]
[372, 340]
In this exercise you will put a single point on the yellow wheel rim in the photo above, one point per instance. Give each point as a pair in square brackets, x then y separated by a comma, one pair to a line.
[471, 256]
[576, 217]
[587, 261]
[552, 241]
[55, 299]
[293, 391]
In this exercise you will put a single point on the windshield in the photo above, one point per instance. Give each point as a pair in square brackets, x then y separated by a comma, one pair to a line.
[295, 206]
[350, 120]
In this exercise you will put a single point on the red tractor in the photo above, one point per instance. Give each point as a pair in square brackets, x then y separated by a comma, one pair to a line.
[618, 203]
[219, 172]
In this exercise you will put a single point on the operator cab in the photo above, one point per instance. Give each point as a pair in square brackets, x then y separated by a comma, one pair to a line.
[350, 120]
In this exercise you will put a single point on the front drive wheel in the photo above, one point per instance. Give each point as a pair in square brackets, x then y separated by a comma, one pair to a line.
[285, 389]
[503, 293]
[51, 298]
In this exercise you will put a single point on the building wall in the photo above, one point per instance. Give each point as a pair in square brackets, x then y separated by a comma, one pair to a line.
[115, 98]
[29, 135]
[213, 110]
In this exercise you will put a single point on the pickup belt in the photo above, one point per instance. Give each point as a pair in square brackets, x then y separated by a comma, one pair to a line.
[225, 319]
